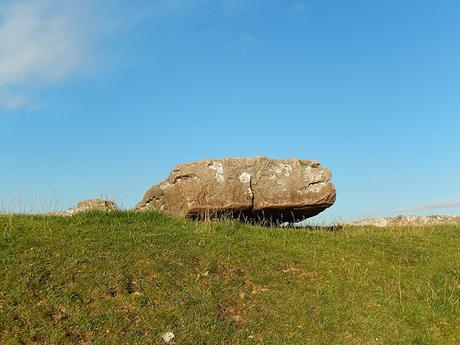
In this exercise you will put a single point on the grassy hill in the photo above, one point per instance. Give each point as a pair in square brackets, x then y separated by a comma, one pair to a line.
[126, 278]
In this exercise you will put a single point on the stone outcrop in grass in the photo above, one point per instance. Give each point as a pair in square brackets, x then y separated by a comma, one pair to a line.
[260, 189]
[409, 221]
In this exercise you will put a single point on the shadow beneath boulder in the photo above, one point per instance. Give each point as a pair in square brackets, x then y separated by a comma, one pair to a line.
[263, 221]
[270, 217]
[328, 228]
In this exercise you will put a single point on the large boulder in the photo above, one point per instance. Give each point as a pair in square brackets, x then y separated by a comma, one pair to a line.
[262, 189]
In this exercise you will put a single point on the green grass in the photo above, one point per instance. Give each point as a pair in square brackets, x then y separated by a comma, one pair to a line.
[126, 278]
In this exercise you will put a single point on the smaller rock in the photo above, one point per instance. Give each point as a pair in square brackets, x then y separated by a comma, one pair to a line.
[96, 205]
[87, 206]
[168, 337]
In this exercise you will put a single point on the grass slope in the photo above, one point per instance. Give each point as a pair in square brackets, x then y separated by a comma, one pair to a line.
[125, 278]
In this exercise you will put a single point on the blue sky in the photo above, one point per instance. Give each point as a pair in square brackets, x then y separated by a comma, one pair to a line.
[105, 98]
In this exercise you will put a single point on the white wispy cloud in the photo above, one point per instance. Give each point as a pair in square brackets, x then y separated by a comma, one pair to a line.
[299, 7]
[41, 42]
[9, 101]
[246, 42]
[243, 45]
[430, 206]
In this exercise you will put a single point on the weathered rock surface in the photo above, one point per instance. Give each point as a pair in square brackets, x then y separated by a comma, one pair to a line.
[409, 221]
[244, 188]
